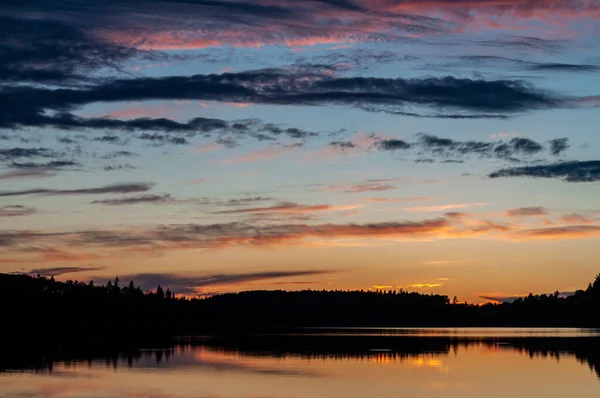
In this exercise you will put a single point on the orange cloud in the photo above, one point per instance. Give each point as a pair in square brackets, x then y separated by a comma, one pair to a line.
[425, 285]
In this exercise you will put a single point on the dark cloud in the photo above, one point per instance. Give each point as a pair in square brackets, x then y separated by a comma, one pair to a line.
[559, 145]
[115, 167]
[162, 139]
[134, 200]
[119, 154]
[116, 188]
[527, 211]
[355, 60]
[41, 50]
[392, 144]
[508, 150]
[434, 96]
[524, 42]
[62, 270]
[573, 171]
[342, 144]
[52, 165]
[16, 153]
[16, 211]
[525, 146]
[292, 132]
[182, 283]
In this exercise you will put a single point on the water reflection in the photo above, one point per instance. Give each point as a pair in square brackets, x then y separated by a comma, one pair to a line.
[311, 364]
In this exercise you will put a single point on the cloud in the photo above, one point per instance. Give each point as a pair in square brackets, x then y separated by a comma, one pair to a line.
[373, 185]
[192, 283]
[134, 200]
[16, 211]
[19, 174]
[426, 209]
[425, 285]
[12, 153]
[52, 165]
[572, 171]
[515, 147]
[50, 50]
[290, 208]
[480, 61]
[502, 298]
[577, 219]
[527, 212]
[264, 154]
[197, 236]
[62, 270]
[116, 188]
[558, 146]
[566, 232]
[443, 96]
[400, 200]
[392, 144]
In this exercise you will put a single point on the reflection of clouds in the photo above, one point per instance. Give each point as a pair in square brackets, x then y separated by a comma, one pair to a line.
[206, 359]
[433, 363]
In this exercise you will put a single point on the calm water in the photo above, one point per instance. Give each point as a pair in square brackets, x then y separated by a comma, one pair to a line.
[319, 363]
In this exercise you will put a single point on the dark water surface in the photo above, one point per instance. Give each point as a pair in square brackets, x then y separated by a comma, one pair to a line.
[349, 362]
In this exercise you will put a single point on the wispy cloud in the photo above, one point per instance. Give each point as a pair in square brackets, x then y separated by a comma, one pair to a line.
[527, 212]
[58, 271]
[116, 188]
[27, 173]
[573, 171]
[399, 200]
[16, 211]
[290, 208]
[443, 208]
[264, 154]
[135, 200]
[190, 283]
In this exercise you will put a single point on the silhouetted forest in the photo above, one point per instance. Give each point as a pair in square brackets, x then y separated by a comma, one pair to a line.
[40, 306]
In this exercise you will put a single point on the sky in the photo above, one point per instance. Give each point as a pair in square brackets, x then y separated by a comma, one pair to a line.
[217, 146]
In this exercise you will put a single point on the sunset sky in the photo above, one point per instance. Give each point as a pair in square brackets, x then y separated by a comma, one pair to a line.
[439, 146]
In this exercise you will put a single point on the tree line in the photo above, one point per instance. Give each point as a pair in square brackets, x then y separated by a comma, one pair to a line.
[37, 306]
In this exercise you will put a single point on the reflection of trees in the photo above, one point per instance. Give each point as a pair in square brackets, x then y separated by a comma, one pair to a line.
[378, 349]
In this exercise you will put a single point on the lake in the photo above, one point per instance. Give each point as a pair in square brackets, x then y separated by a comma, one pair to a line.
[318, 362]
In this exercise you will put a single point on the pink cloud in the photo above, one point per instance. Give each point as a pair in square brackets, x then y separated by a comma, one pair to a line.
[270, 152]
[197, 181]
[208, 147]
